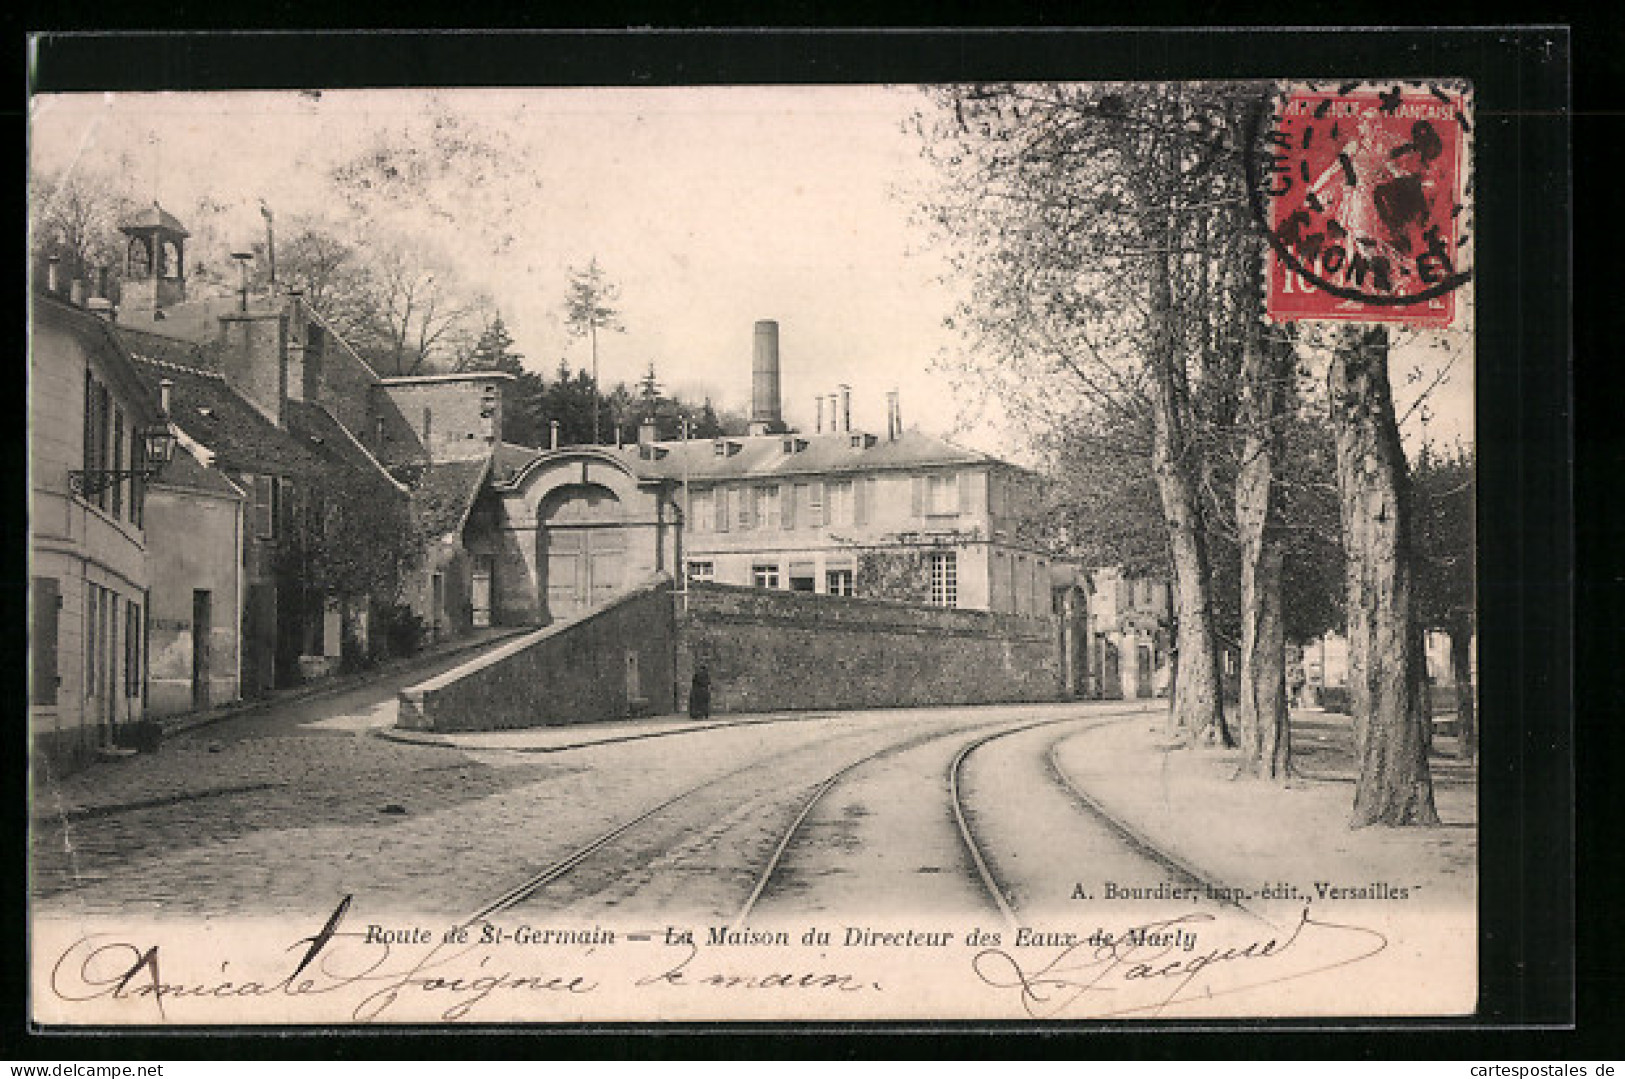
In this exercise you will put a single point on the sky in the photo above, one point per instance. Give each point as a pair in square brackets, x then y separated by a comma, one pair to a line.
[711, 208]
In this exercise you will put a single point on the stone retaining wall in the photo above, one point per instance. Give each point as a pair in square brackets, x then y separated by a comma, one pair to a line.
[775, 651]
[576, 671]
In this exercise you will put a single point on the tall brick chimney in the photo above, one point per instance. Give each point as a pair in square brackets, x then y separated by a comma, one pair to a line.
[765, 416]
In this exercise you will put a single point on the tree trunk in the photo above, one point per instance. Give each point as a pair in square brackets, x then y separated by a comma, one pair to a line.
[1461, 670]
[1266, 738]
[1196, 703]
[1387, 665]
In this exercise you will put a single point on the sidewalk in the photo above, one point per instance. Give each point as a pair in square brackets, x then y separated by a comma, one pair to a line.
[1245, 833]
[267, 743]
[189, 721]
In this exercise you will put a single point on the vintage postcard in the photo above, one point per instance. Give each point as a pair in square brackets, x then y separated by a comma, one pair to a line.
[969, 551]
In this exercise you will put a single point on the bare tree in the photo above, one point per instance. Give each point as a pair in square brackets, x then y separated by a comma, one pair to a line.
[75, 216]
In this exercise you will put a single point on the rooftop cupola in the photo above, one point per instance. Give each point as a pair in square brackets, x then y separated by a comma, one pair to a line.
[154, 262]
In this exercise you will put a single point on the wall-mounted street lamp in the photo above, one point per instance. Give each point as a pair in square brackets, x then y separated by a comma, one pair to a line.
[158, 442]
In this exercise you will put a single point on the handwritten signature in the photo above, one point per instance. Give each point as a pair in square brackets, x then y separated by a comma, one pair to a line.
[332, 961]
[100, 967]
[1142, 977]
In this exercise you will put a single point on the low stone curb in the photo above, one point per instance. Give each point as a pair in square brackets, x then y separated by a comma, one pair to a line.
[407, 737]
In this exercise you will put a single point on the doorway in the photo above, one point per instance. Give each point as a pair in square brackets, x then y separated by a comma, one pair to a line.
[480, 591]
[202, 631]
[583, 549]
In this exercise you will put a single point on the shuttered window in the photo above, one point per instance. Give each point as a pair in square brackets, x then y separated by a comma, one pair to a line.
[265, 507]
[942, 495]
[47, 615]
[117, 459]
[838, 497]
[721, 495]
[767, 507]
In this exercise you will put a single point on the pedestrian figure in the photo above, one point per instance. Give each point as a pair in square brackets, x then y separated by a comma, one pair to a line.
[699, 694]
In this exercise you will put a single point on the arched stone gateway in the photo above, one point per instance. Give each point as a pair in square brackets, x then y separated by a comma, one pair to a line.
[582, 548]
[577, 528]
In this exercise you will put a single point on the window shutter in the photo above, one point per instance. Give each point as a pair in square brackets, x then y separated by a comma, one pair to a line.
[860, 502]
[264, 523]
[47, 611]
[747, 507]
[967, 491]
[817, 513]
[132, 650]
[138, 484]
[787, 506]
[117, 458]
[287, 507]
[721, 496]
[90, 422]
[919, 496]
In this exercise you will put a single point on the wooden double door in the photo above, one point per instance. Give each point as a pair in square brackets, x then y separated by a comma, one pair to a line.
[584, 550]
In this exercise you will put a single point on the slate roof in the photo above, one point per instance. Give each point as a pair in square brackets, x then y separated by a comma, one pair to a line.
[399, 443]
[188, 473]
[168, 348]
[325, 436]
[509, 460]
[192, 321]
[202, 405]
[816, 454]
[445, 492]
[154, 216]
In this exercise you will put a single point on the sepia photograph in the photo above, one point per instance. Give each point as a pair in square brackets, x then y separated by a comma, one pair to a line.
[891, 552]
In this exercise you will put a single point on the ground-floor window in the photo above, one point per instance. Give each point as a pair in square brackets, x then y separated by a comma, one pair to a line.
[803, 577]
[702, 571]
[765, 576]
[838, 581]
[945, 579]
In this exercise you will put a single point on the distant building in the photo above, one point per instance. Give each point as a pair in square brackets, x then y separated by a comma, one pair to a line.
[1130, 627]
[896, 515]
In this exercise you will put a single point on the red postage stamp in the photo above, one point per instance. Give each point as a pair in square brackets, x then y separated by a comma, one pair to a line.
[1362, 191]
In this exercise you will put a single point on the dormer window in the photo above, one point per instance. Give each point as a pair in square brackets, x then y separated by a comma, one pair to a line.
[725, 447]
[794, 445]
[863, 441]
